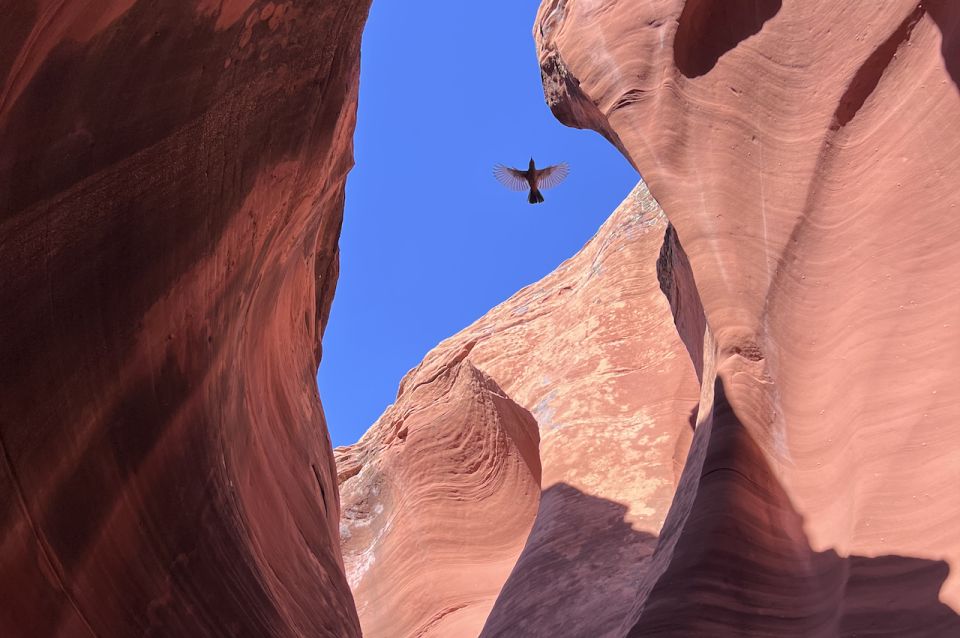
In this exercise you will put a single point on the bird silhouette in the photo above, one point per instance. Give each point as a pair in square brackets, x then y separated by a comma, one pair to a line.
[533, 178]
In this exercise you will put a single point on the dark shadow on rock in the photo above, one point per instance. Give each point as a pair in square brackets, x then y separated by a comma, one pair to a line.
[946, 13]
[708, 29]
[575, 576]
[733, 557]
[868, 76]
[740, 563]
[679, 287]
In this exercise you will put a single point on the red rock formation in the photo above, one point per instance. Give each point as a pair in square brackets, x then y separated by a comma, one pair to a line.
[171, 184]
[592, 352]
[807, 155]
[438, 499]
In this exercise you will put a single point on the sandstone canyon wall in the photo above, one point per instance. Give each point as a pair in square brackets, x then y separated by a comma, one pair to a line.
[171, 186]
[435, 511]
[808, 156]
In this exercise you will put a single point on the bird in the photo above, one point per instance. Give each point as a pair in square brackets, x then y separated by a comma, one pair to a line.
[533, 178]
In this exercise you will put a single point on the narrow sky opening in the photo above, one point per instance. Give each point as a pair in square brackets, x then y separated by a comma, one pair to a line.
[431, 241]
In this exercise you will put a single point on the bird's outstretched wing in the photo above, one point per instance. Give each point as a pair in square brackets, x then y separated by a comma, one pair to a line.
[552, 175]
[510, 177]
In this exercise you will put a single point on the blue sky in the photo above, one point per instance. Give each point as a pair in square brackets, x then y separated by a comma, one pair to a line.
[431, 241]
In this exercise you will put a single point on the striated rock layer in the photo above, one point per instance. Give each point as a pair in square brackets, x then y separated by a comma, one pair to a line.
[438, 500]
[171, 185]
[592, 352]
[808, 156]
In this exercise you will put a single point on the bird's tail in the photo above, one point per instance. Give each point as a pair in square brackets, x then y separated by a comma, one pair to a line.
[535, 196]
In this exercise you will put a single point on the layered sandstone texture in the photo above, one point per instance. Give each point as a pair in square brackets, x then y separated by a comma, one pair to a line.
[171, 184]
[439, 495]
[438, 500]
[808, 156]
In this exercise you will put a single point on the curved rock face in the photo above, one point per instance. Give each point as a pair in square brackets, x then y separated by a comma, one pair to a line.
[807, 155]
[171, 185]
[438, 499]
[592, 352]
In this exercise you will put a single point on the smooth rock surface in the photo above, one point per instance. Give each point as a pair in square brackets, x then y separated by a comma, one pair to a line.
[808, 156]
[171, 186]
[438, 499]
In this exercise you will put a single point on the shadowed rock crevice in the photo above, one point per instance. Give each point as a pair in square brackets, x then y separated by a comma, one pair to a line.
[868, 76]
[678, 286]
[741, 559]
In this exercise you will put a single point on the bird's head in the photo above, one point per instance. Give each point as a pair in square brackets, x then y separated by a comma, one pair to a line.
[531, 164]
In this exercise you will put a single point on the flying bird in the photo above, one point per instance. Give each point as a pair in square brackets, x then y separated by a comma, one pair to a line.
[533, 178]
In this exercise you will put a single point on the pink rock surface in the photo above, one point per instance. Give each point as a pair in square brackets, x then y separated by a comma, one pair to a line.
[438, 499]
[808, 156]
[592, 352]
[171, 184]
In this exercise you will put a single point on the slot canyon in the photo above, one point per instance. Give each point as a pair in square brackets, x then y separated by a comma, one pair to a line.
[731, 413]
